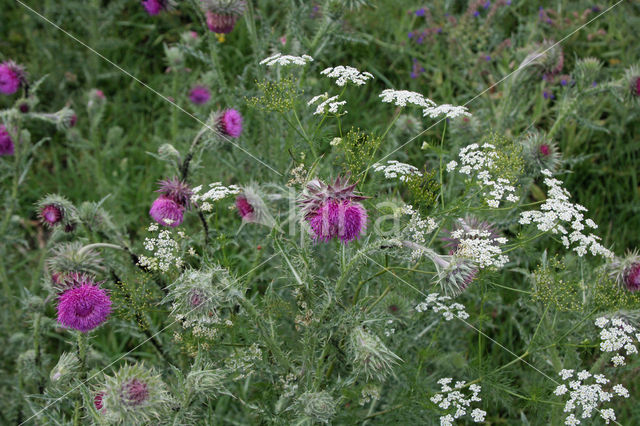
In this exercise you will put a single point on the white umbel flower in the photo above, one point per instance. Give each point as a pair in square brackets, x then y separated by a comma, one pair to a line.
[449, 111]
[283, 60]
[344, 74]
[404, 97]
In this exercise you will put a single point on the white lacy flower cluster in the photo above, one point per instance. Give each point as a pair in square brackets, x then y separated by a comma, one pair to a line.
[241, 363]
[588, 397]
[280, 59]
[216, 193]
[481, 247]
[615, 335]
[434, 302]
[330, 104]
[403, 97]
[453, 398]
[395, 169]
[417, 229]
[431, 109]
[480, 161]
[558, 209]
[343, 75]
[449, 111]
[165, 251]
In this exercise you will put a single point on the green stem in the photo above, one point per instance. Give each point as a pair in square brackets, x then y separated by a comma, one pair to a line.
[272, 345]
[82, 357]
[441, 169]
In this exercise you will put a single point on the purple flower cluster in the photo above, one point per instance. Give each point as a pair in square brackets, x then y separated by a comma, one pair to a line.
[6, 143]
[168, 209]
[84, 306]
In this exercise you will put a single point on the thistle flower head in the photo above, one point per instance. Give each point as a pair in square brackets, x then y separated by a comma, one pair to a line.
[626, 271]
[333, 210]
[167, 212]
[467, 224]
[586, 71]
[457, 275]
[176, 190]
[12, 77]
[69, 258]
[84, 306]
[199, 95]
[228, 122]
[6, 143]
[202, 297]
[154, 7]
[539, 152]
[370, 356]
[546, 58]
[317, 406]
[222, 15]
[56, 210]
[632, 79]
[134, 395]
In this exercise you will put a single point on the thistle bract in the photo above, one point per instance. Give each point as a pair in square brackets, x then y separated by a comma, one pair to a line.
[626, 271]
[222, 15]
[12, 77]
[370, 356]
[134, 395]
[539, 152]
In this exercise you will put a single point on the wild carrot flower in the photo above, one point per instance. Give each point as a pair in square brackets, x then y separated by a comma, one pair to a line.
[167, 212]
[199, 95]
[229, 123]
[84, 306]
[6, 143]
[222, 15]
[283, 60]
[12, 77]
[333, 210]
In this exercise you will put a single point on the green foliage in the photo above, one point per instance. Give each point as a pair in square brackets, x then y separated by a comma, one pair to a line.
[358, 147]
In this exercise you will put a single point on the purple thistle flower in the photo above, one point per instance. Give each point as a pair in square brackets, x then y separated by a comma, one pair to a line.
[134, 393]
[345, 220]
[333, 210]
[177, 191]
[223, 15]
[245, 209]
[24, 107]
[154, 7]
[85, 307]
[167, 212]
[12, 76]
[51, 214]
[6, 143]
[632, 277]
[221, 24]
[199, 95]
[230, 123]
[97, 400]
[637, 86]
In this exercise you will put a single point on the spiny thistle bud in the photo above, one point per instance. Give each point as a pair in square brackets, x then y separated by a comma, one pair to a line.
[456, 275]
[12, 77]
[626, 271]
[56, 210]
[67, 258]
[95, 101]
[84, 305]
[199, 95]
[26, 365]
[333, 210]
[134, 395]
[228, 122]
[190, 38]
[202, 297]
[222, 15]
[174, 57]
[540, 152]
[65, 369]
[168, 151]
[317, 406]
[586, 71]
[546, 60]
[252, 208]
[632, 80]
[6, 143]
[370, 356]
[94, 216]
